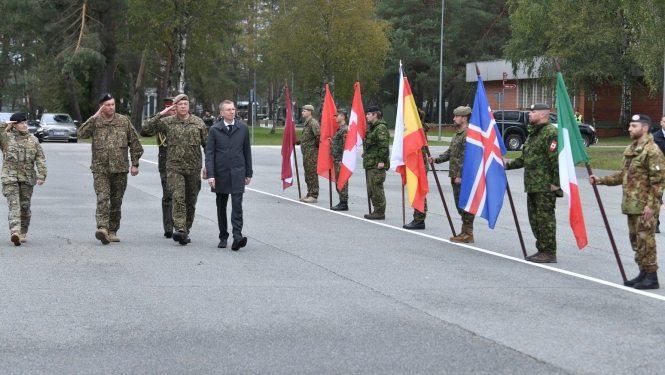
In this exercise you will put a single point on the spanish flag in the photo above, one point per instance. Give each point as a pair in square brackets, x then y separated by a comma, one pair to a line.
[407, 158]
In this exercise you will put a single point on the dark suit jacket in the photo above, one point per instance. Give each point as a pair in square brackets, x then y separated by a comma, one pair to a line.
[659, 138]
[229, 157]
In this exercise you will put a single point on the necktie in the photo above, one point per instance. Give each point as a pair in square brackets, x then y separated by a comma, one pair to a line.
[230, 128]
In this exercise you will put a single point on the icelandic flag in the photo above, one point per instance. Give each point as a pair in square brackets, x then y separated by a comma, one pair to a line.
[483, 175]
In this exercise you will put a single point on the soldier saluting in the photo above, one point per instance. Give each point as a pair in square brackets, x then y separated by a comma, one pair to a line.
[642, 177]
[112, 134]
[21, 152]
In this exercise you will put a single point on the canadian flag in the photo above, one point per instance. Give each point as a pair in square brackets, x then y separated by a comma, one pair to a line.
[354, 139]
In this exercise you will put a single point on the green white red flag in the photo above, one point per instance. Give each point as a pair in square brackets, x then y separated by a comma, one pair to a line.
[571, 151]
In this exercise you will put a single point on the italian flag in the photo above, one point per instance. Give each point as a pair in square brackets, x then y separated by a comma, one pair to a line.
[571, 151]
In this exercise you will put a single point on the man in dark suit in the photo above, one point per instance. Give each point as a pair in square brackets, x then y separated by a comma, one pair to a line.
[228, 169]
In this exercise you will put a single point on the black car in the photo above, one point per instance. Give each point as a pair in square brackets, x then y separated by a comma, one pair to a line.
[513, 125]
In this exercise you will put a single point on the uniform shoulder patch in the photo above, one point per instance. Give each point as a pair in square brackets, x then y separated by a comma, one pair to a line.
[553, 146]
[656, 167]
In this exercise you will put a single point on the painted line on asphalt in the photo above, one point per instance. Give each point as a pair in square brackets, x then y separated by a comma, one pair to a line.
[569, 273]
[148, 161]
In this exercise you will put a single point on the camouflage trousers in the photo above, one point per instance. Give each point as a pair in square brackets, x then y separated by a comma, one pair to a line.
[543, 220]
[643, 241]
[375, 180]
[309, 161]
[467, 218]
[110, 188]
[184, 186]
[18, 198]
[420, 216]
[344, 193]
[167, 217]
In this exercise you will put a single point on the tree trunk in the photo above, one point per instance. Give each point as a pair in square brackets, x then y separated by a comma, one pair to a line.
[70, 83]
[138, 96]
[105, 81]
[275, 114]
[626, 103]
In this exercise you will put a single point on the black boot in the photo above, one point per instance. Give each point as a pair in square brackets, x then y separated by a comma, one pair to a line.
[636, 280]
[415, 224]
[341, 206]
[649, 282]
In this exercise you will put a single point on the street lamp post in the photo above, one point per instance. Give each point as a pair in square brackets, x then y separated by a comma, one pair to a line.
[438, 104]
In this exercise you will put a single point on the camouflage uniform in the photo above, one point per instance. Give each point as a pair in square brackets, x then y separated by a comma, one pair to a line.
[455, 155]
[21, 153]
[376, 150]
[309, 145]
[417, 215]
[208, 120]
[337, 152]
[110, 164]
[162, 146]
[183, 163]
[540, 160]
[642, 177]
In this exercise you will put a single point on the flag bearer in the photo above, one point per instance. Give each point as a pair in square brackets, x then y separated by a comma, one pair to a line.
[540, 160]
[455, 154]
[336, 152]
[419, 217]
[309, 145]
[376, 160]
[642, 177]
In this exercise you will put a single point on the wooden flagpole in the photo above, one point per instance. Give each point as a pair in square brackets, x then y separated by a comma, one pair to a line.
[443, 199]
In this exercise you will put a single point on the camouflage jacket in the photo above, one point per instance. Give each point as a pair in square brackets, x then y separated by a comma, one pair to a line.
[21, 152]
[540, 159]
[185, 139]
[338, 142]
[376, 146]
[455, 154]
[309, 141]
[642, 176]
[110, 140]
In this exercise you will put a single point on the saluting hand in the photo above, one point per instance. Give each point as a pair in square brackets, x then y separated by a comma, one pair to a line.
[98, 114]
[167, 110]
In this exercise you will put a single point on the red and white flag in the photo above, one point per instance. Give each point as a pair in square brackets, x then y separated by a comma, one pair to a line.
[325, 166]
[288, 143]
[354, 139]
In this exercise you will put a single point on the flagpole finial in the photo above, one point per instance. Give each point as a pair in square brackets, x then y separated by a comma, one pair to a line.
[357, 77]
[477, 70]
[556, 65]
[326, 79]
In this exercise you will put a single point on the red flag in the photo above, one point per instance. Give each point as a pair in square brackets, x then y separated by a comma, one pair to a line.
[288, 142]
[325, 165]
[354, 139]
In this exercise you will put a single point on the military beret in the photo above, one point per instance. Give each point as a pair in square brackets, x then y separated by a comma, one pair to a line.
[19, 117]
[308, 107]
[540, 106]
[168, 101]
[179, 98]
[341, 111]
[641, 118]
[373, 108]
[105, 97]
[462, 111]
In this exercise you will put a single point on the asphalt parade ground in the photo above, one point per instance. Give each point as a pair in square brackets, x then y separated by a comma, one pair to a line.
[314, 291]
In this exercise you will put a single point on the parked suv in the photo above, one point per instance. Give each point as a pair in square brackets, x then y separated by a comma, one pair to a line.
[513, 125]
[59, 127]
[33, 125]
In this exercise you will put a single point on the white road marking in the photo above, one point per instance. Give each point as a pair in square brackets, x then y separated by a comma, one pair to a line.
[569, 273]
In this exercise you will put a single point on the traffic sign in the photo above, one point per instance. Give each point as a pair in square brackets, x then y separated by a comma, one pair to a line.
[509, 86]
[505, 76]
[498, 96]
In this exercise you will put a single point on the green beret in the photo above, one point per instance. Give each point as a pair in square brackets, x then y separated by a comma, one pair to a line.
[308, 107]
[462, 111]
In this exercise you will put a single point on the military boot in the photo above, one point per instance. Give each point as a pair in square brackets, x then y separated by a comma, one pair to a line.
[465, 236]
[24, 237]
[102, 235]
[649, 282]
[375, 216]
[341, 206]
[415, 224]
[16, 239]
[636, 280]
[113, 237]
[309, 200]
[303, 198]
[461, 232]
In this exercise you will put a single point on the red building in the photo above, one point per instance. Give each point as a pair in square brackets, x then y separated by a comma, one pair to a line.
[529, 90]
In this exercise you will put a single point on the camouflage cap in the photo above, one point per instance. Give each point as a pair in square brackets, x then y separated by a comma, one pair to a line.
[179, 98]
[462, 111]
[540, 106]
[641, 118]
[308, 107]
[341, 111]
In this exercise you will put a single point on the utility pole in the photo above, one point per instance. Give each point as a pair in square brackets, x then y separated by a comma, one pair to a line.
[439, 104]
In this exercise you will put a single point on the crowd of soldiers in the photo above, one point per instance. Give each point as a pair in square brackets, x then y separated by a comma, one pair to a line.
[116, 151]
